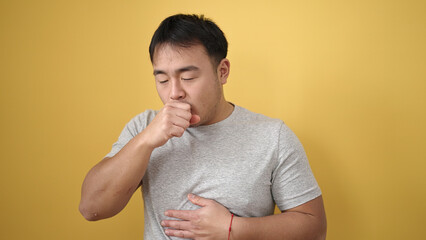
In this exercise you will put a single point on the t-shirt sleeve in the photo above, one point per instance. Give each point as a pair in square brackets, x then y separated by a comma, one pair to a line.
[293, 182]
[132, 128]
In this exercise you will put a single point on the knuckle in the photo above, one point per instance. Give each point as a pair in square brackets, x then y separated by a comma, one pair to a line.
[166, 108]
[167, 116]
[175, 225]
[188, 115]
[179, 225]
[195, 225]
[179, 134]
[187, 107]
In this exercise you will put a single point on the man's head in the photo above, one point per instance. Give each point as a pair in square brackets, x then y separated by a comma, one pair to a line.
[188, 56]
[188, 30]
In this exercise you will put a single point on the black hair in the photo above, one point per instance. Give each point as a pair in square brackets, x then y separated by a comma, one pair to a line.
[186, 30]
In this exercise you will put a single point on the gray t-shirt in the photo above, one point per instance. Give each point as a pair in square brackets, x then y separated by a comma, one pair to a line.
[247, 162]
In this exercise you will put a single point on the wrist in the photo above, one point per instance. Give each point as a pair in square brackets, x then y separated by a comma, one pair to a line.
[143, 142]
[236, 222]
[230, 227]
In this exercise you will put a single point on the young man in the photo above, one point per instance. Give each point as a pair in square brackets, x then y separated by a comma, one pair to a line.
[201, 160]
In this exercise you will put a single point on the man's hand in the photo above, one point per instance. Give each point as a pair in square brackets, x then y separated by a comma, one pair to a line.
[171, 121]
[211, 221]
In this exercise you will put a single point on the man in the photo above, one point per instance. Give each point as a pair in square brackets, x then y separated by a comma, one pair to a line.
[208, 169]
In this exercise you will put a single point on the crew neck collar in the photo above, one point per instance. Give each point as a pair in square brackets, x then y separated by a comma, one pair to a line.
[222, 122]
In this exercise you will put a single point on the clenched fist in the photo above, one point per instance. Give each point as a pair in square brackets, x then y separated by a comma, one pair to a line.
[171, 121]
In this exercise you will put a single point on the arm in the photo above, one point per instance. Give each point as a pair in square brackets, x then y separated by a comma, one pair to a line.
[212, 220]
[306, 221]
[110, 184]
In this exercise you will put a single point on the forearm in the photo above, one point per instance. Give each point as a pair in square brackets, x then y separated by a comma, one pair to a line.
[288, 225]
[282, 226]
[110, 184]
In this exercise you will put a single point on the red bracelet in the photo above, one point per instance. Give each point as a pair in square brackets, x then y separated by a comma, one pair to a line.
[230, 225]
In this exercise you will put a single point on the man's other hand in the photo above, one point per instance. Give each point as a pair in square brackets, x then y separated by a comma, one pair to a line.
[211, 221]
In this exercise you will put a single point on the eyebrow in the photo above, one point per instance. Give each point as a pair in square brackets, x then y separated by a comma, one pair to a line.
[180, 70]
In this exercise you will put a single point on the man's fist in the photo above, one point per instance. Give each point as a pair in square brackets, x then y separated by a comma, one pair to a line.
[171, 121]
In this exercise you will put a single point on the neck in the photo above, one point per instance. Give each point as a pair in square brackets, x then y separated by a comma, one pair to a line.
[225, 110]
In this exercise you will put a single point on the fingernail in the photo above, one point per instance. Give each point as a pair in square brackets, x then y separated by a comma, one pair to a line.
[163, 223]
[167, 213]
[191, 195]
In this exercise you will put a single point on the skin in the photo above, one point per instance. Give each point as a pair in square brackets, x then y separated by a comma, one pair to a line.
[188, 75]
[212, 220]
[190, 85]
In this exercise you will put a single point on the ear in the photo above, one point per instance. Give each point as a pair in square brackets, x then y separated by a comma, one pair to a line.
[223, 69]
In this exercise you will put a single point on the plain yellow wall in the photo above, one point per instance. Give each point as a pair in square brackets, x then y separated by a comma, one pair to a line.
[349, 77]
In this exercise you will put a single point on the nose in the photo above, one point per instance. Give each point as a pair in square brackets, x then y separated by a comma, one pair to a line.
[177, 92]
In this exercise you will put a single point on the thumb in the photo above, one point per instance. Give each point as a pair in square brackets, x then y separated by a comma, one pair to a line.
[194, 119]
[197, 200]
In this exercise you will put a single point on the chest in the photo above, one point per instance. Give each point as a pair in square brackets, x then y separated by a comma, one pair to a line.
[235, 174]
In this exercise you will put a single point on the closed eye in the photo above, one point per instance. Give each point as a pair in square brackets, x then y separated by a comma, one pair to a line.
[187, 79]
[164, 81]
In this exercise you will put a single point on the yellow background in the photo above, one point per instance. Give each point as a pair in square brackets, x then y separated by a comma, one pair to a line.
[349, 77]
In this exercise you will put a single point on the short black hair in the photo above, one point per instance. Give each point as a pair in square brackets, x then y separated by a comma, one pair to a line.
[185, 30]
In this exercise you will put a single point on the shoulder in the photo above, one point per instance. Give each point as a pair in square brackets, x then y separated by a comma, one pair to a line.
[271, 128]
[146, 116]
[249, 118]
[141, 121]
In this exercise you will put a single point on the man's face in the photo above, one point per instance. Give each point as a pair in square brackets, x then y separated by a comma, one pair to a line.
[186, 74]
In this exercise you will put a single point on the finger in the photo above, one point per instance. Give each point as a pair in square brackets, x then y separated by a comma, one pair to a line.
[176, 131]
[194, 119]
[181, 214]
[197, 200]
[180, 122]
[176, 224]
[179, 233]
[181, 105]
[184, 114]
[174, 111]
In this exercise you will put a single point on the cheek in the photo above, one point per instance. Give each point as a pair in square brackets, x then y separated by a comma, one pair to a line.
[205, 98]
